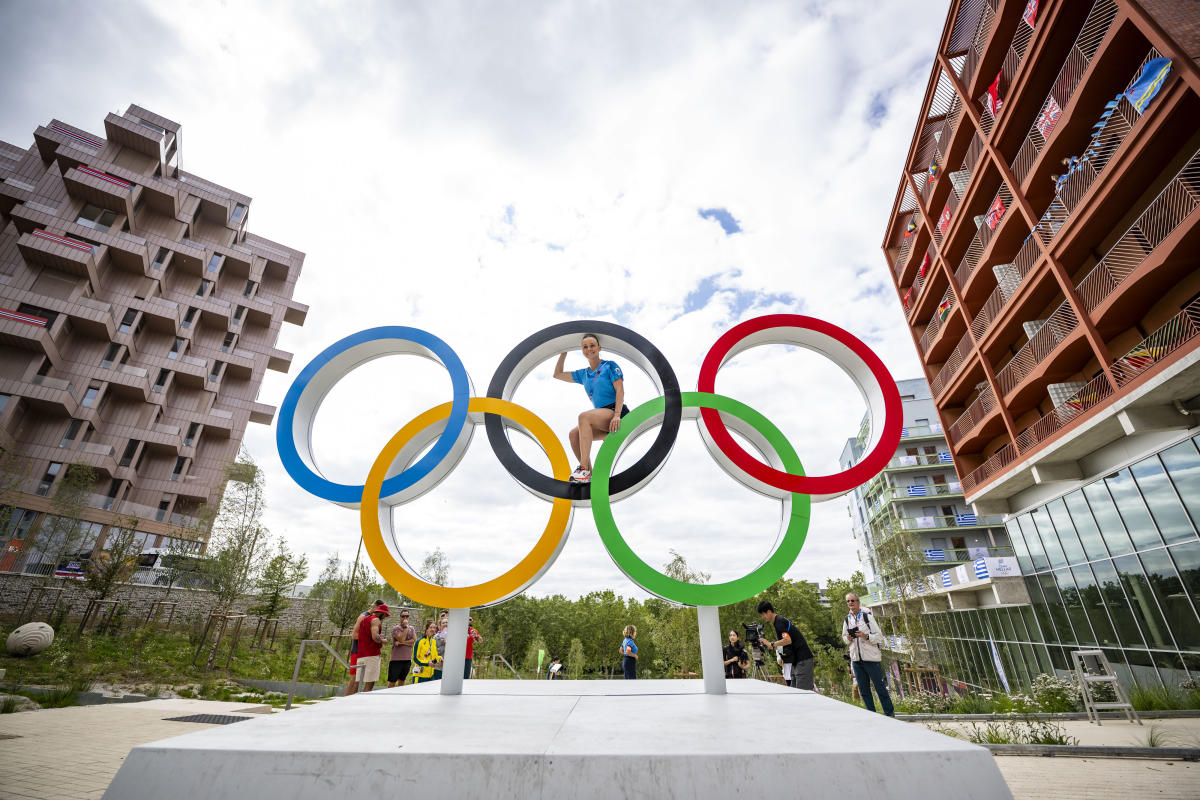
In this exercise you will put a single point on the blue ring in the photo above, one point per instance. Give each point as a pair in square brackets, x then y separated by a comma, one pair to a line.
[326, 489]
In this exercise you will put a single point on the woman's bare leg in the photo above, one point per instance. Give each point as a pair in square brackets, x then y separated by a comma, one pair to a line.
[593, 425]
[574, 437]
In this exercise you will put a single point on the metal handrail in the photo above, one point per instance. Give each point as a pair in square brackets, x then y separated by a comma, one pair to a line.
[300, 658]
[502, 659]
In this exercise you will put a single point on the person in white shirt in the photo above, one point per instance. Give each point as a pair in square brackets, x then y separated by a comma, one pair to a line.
[861, 632]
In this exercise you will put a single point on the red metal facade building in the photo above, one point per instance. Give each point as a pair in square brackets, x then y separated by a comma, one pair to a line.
[1044, 236]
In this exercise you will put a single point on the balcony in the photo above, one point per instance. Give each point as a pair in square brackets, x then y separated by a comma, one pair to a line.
[1070, 75]
[912, 432]
[952, 366]
[1094, 392]
[100, 189]
[1167, 212]
[993, 466]
[978, 411]
[924, 461]
[938, 523]
[1053, 332]
[1178, 331]
[262, 413]
[1009, 278]
[45, 249]
[901, 494]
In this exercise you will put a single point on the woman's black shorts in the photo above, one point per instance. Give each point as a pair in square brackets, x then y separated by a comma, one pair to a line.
[613, 407]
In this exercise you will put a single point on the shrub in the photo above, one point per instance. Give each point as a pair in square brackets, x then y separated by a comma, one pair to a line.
[1157, 699]
[1016, 704]
[925, 703]
[1056, 695]
[973, 704]
[1020, 731]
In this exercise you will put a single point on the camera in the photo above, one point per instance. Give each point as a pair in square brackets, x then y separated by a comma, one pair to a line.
[852, 632]
[753, 634]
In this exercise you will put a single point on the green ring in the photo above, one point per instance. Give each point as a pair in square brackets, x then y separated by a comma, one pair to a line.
[655, 582]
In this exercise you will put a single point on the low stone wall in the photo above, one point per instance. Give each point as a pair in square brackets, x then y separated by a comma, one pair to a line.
[15, 590]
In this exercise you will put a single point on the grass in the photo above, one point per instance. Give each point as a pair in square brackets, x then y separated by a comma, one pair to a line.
[9, 704]
[1020, 731]
[1156, 737]
[1163, 699]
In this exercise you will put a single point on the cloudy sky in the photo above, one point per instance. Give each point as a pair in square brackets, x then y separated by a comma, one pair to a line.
[485, 170]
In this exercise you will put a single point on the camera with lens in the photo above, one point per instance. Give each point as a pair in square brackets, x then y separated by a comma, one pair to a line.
[852, 632]
[753, 634]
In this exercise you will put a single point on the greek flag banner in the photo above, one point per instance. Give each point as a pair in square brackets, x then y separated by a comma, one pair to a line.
[966, 519]
[946, 584]
[916, 491]
[904, 433]
[981, 570]
[937, 555]
[945, 457]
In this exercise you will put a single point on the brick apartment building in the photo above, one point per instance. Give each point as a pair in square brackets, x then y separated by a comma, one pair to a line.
[1045, 247]
[137, 318]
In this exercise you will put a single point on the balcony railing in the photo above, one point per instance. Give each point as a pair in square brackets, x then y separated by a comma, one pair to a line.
[983, 405]
[970, 260]
[1095, 391]
[935, 322]
[999, 460]
[952, 366]
[958, 555]
[987, 19]
[1178, 331]
[922, 460]
[920, 431]
[996, 210]
[905, 493]
[1174, 204]
[1053, 332]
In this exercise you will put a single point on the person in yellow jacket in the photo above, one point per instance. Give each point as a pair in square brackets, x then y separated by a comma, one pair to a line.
[425, 654]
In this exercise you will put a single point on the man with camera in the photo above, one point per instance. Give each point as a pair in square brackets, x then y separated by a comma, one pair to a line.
[862, 633]
[797, 658]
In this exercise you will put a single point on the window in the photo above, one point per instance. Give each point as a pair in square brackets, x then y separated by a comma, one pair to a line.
[192, 432]
[47, 480]
[177, 348]
[38, 311]
[238, 313]
[177, 470]
[203, 288]
[249, 290]
[216, 371]
[20, 521]
[4, 402]
[110, 355]
[239, 211]
[161, 513]
[89, 396]
[71, 433]
[162, 132]
[160, 258]
[230, 341]
[110, 499]
[161, 380]
[189, 317]
[214, 263]
[127, 321]
[130, 450]
[95, 217]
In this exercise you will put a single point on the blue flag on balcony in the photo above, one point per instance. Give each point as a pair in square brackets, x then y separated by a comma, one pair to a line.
[935, 555]
[916, 491]
[981, 570]
[1148, 83]
[966, 519]
[946, 579]
[945, 457]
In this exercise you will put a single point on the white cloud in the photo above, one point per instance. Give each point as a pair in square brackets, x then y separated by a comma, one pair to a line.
[466, 169]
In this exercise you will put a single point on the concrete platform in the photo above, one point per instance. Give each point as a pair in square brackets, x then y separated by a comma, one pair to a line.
[565, 739]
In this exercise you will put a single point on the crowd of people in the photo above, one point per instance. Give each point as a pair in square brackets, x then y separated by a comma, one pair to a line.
[421, 658]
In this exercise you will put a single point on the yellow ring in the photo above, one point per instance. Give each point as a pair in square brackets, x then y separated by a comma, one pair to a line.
[497, 589]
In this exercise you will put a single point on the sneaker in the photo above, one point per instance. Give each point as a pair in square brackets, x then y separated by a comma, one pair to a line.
[581, 475]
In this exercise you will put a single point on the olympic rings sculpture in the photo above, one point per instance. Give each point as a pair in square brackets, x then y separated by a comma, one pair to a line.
[425, 450]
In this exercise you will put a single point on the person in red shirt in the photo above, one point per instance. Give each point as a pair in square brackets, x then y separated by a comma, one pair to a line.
[472, 637]
[352, 684]
[370, 645]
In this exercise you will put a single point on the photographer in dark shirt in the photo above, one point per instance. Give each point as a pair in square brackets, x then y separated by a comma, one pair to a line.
[797, 658]
[737, 660]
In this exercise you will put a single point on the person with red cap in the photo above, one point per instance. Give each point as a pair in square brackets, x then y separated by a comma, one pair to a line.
[370, 645]
[352, 684]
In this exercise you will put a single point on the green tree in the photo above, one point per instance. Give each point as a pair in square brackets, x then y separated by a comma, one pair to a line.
[108, 569]
[64, 534]
[575, 660]
[279, 577]
[536, 647]
[436, 567]
[675, 629]
[240, 543]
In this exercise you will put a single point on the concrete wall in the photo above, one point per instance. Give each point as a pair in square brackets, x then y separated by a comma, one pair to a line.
[15, 589]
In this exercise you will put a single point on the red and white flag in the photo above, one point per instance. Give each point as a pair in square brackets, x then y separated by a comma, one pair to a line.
[1030, 13]
[944, 220]
[1048, 118]
[995, 213]
[994, 101]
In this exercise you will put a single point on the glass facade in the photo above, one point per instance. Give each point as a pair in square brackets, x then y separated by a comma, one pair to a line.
[1114, 565]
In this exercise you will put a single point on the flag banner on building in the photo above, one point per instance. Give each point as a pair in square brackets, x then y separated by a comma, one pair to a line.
[999, 665]
[944, 220]
[1030, 13]
[960, 572]
[911, 229]
[995, 213]
[1148, 83]
[974, 553]
[71, 569]
[924, 265]
[63, 240]
[907, 297]
[966, 519]
[76, 136]
[994, 101]
[946, 582]
[1081, 402]
[1049, 117]
[933, 172]
[945, 457]
[920, 589]
[944, 309]
[935, 555]
[981, 570]
[916, 491]
[904, 433]
[28, 319]
[104, 176]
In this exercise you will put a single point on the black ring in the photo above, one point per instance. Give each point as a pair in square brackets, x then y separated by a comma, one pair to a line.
[643, 469]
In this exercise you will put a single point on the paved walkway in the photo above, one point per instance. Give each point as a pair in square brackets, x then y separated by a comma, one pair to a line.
[1113, 733]
[73, 753]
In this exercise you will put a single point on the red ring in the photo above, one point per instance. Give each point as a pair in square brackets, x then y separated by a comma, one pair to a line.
[838, 483]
